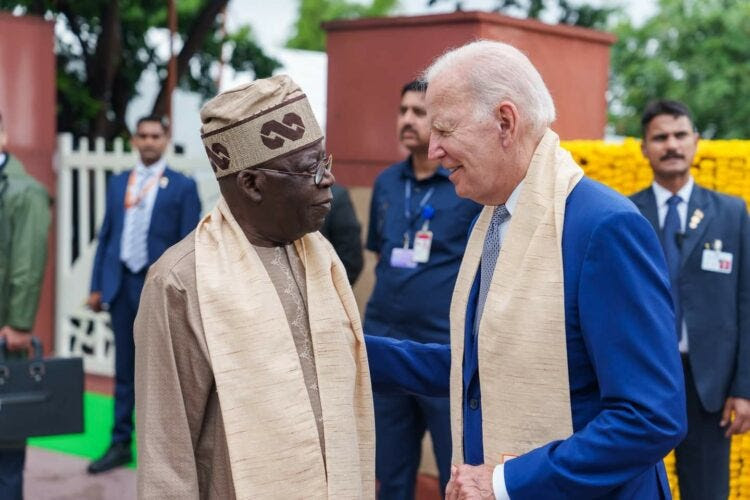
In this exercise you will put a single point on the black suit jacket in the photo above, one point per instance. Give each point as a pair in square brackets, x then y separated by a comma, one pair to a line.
[343, 230]
[716, 306]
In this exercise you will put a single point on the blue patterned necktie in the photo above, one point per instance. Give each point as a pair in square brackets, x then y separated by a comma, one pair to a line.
[671, 239]
[136, 234]
[490, 252]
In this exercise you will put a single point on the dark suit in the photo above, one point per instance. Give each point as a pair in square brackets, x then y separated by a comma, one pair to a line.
[716, 310]
[342, 229]
[175, 214]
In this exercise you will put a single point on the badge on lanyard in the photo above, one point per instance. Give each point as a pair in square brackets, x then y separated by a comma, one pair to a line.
[423, 237]
[715, 260]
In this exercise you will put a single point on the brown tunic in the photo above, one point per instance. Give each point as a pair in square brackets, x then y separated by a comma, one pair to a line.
[182, 444]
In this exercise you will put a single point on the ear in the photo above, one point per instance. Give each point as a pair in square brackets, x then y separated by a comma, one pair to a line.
[507, 119]
[250, 183]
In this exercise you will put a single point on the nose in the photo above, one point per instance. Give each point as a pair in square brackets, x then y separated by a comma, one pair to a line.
[328, 180]
[435, 151]
[672, 142]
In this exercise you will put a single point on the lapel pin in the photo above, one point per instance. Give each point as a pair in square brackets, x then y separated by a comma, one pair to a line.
[163, 182]
[717, 245]
[698, 213]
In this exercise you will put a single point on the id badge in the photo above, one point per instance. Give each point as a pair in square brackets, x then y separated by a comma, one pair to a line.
[403, 258]
[716, 262]
[422, 245]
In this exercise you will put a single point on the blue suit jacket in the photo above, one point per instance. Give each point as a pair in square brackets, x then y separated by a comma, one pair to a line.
[716, 306]
[176, 212]
[626, 388]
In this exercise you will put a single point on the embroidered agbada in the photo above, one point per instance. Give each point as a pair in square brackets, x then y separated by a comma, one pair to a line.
[272, 438]
[522, 351]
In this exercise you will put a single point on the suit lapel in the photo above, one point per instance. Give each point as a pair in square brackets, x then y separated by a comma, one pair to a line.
[699, 202]
[646, 203]
[162, 193]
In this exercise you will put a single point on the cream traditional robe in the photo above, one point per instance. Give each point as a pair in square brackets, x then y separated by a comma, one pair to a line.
[183, 451]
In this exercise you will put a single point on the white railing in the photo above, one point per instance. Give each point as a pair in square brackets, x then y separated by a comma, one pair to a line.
[80, 202]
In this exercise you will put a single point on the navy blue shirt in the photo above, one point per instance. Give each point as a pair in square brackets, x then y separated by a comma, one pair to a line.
[415, 303]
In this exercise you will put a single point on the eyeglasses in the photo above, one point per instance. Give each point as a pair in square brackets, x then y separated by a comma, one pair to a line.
[321, 168]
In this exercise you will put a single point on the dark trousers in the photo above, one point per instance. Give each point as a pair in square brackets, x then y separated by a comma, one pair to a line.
[400, 424]
[703, 457]
[122, 311]
[11, 473]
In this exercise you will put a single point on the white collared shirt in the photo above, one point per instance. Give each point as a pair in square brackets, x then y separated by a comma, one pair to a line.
[510, 206]
[663, 194]
[149, 200]
[498, 475]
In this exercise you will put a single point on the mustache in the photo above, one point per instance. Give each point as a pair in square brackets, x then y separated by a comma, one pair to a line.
[670, 155]
[406, 128]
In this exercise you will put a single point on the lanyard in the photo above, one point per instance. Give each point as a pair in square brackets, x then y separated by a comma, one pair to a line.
[130, 199]
[407, 208]
[407, 201]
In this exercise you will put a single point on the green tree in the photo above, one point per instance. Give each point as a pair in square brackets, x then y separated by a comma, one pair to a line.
[107, 44]
[309, 35]
[695, 51]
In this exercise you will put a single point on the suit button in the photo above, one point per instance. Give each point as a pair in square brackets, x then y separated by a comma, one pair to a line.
[473, 404]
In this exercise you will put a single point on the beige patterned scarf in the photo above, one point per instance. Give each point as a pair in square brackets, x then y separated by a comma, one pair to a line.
[273, 442]
[522, 353]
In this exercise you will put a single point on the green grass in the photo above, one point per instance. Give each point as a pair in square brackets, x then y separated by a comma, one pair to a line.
[98, 412]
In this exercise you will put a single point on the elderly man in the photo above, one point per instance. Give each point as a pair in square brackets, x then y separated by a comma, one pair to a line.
[251, 374]
[565, 377]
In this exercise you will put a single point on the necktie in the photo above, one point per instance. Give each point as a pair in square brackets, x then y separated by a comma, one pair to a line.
[490, 252]
[136, 234]
[671, 239]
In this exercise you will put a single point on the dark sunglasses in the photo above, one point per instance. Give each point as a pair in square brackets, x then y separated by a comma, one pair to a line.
[321, 168]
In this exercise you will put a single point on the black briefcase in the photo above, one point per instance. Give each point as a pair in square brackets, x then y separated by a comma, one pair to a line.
[39, 397]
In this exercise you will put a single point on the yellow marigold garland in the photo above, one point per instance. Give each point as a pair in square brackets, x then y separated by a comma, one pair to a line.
[720, 165]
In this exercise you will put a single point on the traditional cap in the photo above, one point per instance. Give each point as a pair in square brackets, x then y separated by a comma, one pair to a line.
[253, 123]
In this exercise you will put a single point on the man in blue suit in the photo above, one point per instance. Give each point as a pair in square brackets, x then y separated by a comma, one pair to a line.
[149, 209]
[565, 376]
[706, 240]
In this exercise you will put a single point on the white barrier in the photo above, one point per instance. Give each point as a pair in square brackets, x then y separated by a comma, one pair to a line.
[80, 202]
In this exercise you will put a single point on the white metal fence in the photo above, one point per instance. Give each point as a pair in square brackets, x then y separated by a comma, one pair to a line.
[80, 202]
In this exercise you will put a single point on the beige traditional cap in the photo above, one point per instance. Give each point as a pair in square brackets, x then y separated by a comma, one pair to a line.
[257, 122]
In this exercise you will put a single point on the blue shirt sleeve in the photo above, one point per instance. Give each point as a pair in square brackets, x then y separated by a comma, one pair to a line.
[405, 366]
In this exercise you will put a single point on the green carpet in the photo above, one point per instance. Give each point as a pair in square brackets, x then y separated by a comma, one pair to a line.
[98, 413]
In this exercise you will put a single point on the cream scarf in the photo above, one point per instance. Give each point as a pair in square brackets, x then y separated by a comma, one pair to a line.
[522, 352]
[273, 441]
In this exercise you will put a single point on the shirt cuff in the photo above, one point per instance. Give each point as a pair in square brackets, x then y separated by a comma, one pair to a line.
[498, 483]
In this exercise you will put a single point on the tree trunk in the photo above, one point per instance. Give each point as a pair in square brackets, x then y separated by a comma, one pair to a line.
[200, 29]
[104, 67]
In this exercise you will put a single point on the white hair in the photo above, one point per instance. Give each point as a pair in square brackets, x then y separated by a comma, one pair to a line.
[496, 71]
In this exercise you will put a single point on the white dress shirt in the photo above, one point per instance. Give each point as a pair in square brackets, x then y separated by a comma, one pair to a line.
[662, 194]
[155, 169]
[498, 476]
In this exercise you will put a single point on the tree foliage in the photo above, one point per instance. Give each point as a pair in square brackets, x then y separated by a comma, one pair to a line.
[695, 51]
[309, 35]
[104, 46]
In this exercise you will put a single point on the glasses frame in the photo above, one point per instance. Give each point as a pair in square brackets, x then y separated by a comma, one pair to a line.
[321, 168]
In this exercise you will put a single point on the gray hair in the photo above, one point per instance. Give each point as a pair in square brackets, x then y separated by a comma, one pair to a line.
[495, 72]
